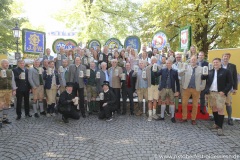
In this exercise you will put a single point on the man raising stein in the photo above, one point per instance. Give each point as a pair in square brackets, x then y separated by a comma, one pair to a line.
[36, 81]
[108, 103]
[7, 89]
[219, 83]
[67, 104]
[192, 86]
[23, 88]
[169, 79]
[76, 75]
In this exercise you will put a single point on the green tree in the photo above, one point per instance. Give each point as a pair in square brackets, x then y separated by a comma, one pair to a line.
[215, 24]
[101, 19]
[7, 22]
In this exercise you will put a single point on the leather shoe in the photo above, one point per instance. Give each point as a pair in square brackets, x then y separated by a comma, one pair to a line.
[203, 112]
[173, 120]
[18, 118]
[28, 115]
[183, 120]
[84, 116]
[65, 120]
[36, 115]
[6, 121]
[230, 122]
[194, 122]
[43, 113]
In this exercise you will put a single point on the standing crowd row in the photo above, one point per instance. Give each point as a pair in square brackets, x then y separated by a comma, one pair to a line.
[159, 79]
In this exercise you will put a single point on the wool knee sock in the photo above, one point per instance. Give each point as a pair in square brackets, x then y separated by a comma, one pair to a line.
[172, 109]
[163, 107]
[229, 111]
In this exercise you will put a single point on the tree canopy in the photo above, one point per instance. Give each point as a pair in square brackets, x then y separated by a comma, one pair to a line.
[101, 19]
[7, 22]
[214, 23]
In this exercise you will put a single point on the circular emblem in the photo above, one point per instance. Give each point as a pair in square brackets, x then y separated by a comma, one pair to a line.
[113, 43]
[94, 44]
[159, 40]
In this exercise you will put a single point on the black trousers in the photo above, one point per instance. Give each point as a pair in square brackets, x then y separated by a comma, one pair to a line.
[71, 114]
[106, 111]
[127, 92]
[80, 92]
[202, 100]
[116, 91]
[20, 95]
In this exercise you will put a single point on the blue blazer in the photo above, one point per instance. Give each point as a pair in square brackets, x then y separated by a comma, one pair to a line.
[48, 79]
[173, 77]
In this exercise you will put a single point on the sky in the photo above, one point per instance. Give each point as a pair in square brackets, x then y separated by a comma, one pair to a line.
[39, 12]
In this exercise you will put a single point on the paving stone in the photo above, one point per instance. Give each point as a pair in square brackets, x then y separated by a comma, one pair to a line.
[126, 137]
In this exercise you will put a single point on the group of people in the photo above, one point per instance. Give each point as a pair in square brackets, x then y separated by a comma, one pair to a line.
[159, 79]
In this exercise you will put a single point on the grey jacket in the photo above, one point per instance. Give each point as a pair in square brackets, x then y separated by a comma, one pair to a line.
[59, 62]
[100, 81]
[186, 76]
[33, 77]
[73, 70]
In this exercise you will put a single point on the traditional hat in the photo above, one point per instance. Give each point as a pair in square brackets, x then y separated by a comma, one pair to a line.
[69, 84]
[105, 83]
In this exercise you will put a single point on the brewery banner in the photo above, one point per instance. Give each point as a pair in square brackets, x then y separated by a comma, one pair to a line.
[68, 44]
[185, 38]
[34, 42]
[113, 43]
[94, 44]
[159, 40]
[133, 42]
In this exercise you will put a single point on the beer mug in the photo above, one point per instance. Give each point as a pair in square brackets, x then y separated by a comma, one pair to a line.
[3, 73]
[123, 77]
[98, 75]
[157, 56]
[185, 66]
[101, 57]
[61, 69]
[109, 58]
[70, 57]
[126, 54]
[210, 66]
[180, 65]
[88, 72]
[101, 96]
[81, 74]
[205, 70]
[49, 71]
[40, 55]
[76, 101]
[116, 72]
[124, 63]
[135, 68]
[85, 61]
[155, 67]
[59, 57]
[40, 70]
[144, 75]
[22, 75]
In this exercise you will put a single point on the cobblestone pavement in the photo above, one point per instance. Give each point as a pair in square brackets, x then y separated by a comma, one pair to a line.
[126, 137]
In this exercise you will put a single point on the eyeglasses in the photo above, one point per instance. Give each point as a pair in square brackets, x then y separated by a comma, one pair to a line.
[178, 57]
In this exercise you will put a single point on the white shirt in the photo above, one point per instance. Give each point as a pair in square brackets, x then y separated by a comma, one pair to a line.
[106, 91]
[214, 86]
